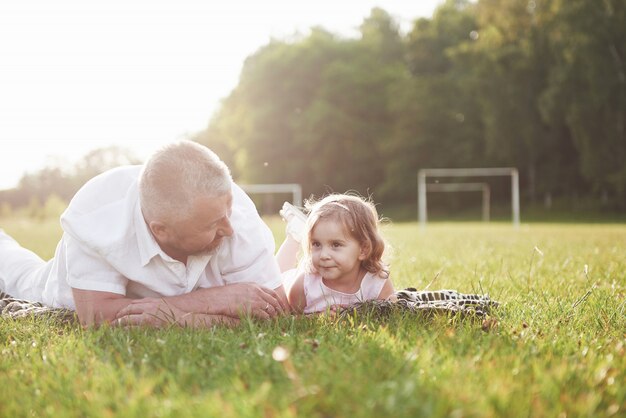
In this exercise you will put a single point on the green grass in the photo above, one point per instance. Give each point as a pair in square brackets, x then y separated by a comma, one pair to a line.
[554, 348]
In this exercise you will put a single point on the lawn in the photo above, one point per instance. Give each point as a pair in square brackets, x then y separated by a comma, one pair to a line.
[554, 348]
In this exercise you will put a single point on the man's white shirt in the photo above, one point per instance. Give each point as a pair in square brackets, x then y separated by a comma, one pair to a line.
[107, 246]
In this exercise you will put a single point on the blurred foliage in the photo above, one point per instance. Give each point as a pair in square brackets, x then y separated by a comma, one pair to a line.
[539, 85]
[44, 194]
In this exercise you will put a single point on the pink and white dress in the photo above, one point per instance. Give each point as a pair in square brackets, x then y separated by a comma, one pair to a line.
[319, 297]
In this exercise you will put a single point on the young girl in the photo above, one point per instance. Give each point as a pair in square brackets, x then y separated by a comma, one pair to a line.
[342, 254]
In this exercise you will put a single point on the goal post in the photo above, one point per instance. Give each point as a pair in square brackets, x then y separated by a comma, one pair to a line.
[293, 188]
[424, 173]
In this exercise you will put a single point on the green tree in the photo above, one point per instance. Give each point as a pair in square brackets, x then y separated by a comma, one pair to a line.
[255, 125]
[586, 95]
[510, 60]
[349, 124]
[436, 120]
[64, 181]
[100, 160]
[53, 207]
[5, 210]
[540, 86]
[40, 184]
[313, 111]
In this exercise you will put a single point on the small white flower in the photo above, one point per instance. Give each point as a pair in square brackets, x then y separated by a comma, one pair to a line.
[280, 354]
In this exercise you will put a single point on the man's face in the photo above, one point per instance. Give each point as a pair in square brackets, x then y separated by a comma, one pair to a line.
[204, 229]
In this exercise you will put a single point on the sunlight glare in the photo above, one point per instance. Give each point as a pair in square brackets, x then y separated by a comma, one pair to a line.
[77, 75]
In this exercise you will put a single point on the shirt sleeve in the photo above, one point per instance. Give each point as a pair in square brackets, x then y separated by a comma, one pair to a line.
[248, 255]
[86, 270]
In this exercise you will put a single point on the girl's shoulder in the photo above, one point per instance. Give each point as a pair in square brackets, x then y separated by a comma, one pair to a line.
[373, 284]
[382, 275]
[311, 277]
[375, 279]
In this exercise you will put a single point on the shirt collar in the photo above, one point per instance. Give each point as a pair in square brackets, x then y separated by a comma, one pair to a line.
[148, 247]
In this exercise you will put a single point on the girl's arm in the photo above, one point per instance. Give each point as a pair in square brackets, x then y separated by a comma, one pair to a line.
[387, 290]
[297, 298]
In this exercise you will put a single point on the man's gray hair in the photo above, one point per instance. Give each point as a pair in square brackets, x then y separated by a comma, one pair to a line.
[176, 175]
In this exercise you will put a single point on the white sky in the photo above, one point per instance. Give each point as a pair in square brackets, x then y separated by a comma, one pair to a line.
[76, 75]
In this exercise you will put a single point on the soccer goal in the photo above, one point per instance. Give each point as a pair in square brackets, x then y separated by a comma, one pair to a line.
[423, 187]
[292, 188]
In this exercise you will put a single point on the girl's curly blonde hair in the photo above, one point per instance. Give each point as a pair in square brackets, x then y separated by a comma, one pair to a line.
[360, 221]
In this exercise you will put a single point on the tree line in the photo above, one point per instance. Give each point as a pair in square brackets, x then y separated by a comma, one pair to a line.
[46, 192]
[538, 85]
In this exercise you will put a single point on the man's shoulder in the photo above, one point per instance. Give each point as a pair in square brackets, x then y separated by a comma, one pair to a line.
[251, 238]
[107, 187]
[245, 216]
[240, 198]
[101, 213]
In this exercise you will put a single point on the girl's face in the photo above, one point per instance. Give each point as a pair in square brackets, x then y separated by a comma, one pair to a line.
[335, 254]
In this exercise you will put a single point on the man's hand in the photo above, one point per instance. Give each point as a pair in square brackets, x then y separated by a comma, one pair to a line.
[156, 312]
[235, 300]
[203, 307]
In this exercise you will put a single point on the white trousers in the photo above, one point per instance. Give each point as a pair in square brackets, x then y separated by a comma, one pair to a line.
[23, 274]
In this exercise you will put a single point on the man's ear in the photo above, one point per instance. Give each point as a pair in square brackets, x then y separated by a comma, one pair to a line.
[159, 230]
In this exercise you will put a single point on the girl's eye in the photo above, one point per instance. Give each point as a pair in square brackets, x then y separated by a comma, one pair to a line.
[336, 245]
[315, 244]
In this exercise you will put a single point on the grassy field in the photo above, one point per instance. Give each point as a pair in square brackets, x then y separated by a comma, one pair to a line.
[554, 348]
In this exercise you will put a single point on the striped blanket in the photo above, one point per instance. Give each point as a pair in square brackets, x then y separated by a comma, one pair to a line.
[435, 302]
[19, 308]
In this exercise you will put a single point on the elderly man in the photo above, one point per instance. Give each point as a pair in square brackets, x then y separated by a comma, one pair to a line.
[174, 240]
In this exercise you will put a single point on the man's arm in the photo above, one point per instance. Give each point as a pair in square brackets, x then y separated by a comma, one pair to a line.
[232, 300]
[158, 312]
[203, 307]
[95, 307]
[98, 289]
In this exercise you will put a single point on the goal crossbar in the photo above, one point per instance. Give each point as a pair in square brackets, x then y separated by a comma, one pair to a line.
[293, 188]
[457, 187]
[422, 186]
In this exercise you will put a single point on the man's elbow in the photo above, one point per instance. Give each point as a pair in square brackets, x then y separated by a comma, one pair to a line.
[97, 308]
[91, 316]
